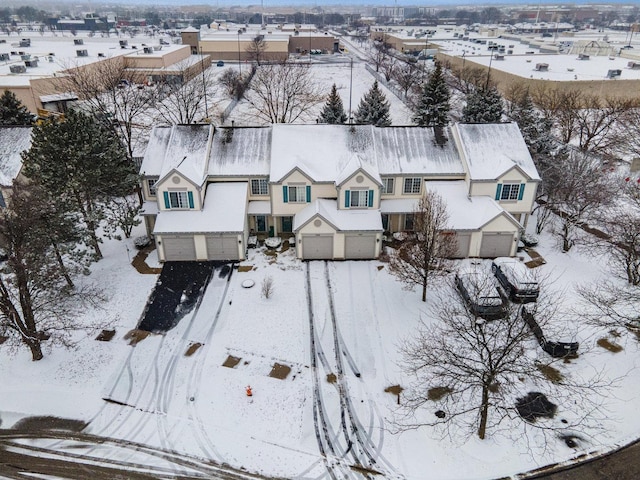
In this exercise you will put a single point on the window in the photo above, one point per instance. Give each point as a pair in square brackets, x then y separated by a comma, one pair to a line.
[510, 191]
[359, 198]
[259, 187]
[412, 185]
[151, 184]
[297, 194]
[180, 199]
[387, 185]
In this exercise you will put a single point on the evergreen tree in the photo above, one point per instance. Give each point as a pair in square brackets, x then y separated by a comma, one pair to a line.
[83, 165]
[484, 105]
[535, 129]
[373, 108]
[333, 111]
[433, 106]
[12, 112]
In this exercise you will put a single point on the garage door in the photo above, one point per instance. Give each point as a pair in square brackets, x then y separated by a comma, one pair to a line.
[496, 245]
[317, 247]
[463, 241]
[222, 247]
[179, 248]
[359, 246]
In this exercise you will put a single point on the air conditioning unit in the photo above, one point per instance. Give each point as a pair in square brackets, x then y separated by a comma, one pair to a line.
[78, 41]
[124, 43]
[101, 55]
[31, 63]
[25, 42]
[25, 58]
[148, 49]
[157, 48]
[4, 57]
[17, 68]
[82, 53]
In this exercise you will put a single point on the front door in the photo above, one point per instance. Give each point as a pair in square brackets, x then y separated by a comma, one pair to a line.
[261, 223]
[287, 223]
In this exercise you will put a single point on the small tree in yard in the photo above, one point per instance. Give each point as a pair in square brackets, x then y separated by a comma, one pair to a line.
[373, 108]
[35, 304]
[82, 164]
[478, 367]
[484, 105]
[535, 129]
[406, 76]
[12, 112]
[267, 288]
[426, 253]
[257, 48]
[433, 106]
[333, 110]
[234, 84]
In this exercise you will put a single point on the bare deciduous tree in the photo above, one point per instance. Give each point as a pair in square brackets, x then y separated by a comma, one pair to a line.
[561, 107]
[108, 88]
[379, 54]
[256, 49]
[471, 370]
[407, 75]
[185, 103]
[426, 253]
[283, 92]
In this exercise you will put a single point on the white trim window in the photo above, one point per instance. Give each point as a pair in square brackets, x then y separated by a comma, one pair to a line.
[387, 185]
[510, 191]
[297, 193]
[151, 186]
[178, 200]
[259, 186]
[412, 185]
[359, 199]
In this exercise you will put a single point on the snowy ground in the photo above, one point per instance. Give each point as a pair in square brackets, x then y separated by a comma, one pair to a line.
[195, 405]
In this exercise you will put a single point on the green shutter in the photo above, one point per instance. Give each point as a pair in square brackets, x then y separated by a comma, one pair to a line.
[190, 197]
[308, 193]
[167, 204]
[521, 192]
[498, 191]
[370, 198]
[347, 198]
[285, 194]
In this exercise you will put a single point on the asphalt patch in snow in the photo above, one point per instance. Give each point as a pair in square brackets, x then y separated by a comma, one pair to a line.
[179, 287]
[34, 424]
[535, 405]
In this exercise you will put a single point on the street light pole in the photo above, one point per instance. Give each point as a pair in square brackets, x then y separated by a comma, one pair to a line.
[239, 60]
[204, 86]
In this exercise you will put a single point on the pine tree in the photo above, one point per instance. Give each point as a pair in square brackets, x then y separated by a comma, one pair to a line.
[12, 112]
[373, 108]
[484, 105]
[83, 165]
[333, 111]
[535, 129]
[433, 106]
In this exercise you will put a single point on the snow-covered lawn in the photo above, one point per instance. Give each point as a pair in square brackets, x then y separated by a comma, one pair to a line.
[196, 405]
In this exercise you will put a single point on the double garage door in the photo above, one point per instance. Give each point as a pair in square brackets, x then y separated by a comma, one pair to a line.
[496, 245]
[320, 247]
[182, 248]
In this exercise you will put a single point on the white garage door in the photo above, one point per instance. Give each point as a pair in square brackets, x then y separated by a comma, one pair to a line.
[179, 248]
[463, 241]
[222, 247]
[359, 246]
[317, 247]
[496, 245]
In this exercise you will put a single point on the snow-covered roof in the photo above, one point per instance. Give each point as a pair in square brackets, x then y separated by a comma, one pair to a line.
[494, 148]
[149, 208]
[342, 220]
[259, 207]
[320, 151]
[466, 212]
[187, 151]
[155, 151]
[13, 141]
[354, 165]
[240, 151]
[419, 150]
[224, 211]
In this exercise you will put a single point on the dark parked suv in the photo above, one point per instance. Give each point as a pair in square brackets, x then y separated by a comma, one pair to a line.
[481, 295]
[516, 279]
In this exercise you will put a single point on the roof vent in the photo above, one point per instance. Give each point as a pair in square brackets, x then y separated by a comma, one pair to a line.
[31, 63]
[4, 57]
[25, 58]
[82, 53]
[101, 55]
[78, 41]
[148, 49]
